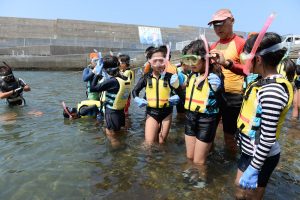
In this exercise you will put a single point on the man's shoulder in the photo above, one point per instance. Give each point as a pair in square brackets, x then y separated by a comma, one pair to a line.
[239, 40]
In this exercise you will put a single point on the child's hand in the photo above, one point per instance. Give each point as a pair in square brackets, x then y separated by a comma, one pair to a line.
[174, 100]
[214, 81]
[140, 102]
[174, 81]
[19, 90]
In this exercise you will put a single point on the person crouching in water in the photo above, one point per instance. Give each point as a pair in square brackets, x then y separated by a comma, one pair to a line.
[125, 70]
[159, 85]
[11, 88]
[201, 104]
[262, 115]
[85, 109]
[117, 89]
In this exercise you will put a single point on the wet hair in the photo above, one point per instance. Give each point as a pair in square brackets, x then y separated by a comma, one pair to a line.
[162, 49]
[196, 47]
[270, 39]
[111, 64]
[5, 70]
[147, 50]
[289, 68]
[124, 58]
[184, 50]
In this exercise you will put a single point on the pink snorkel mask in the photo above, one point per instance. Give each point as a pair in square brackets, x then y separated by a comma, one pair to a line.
[248, 57]
[161, 61]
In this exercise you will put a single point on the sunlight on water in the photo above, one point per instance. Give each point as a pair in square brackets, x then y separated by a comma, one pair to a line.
[43, 156]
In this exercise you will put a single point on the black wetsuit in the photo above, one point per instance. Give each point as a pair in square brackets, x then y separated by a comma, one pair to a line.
[14, 99]
[114, 119]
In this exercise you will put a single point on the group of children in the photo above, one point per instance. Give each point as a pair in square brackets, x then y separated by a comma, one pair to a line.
[197, 88]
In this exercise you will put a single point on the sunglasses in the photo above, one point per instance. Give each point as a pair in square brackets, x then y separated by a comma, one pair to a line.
[190, 59]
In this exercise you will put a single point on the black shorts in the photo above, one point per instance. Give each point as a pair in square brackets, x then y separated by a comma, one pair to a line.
[114, 119]
[229, 111]
[266, 170]
[200, 125]
[159, 114]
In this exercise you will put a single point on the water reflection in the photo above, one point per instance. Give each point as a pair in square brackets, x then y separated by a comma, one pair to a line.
[43, 156]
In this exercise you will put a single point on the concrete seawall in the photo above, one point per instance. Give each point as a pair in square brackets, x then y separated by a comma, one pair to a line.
[65, 44]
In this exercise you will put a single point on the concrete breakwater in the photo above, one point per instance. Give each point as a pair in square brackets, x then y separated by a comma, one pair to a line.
[64, 44]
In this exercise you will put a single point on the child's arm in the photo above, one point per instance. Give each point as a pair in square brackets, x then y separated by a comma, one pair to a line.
[4, 95]
[139, 86]
[25, 86]
[109, 84]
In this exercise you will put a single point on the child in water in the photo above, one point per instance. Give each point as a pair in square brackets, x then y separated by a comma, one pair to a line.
[117, 89]
[263, 112]
[11, 88]
[158, 85]
[86, 108]
[125, 70]
[202, 106]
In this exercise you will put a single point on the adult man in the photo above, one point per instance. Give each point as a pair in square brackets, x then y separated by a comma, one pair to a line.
[227, 51]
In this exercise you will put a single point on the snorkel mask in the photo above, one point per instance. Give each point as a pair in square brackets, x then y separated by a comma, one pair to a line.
[190, 60]
[6, 73]
[244, 57]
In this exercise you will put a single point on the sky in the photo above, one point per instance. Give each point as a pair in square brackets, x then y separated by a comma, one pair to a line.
[249, 15]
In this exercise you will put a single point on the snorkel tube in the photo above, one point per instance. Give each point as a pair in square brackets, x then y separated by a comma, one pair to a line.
[66, 110]
[206, 61]
[246, 68]
[167, 61]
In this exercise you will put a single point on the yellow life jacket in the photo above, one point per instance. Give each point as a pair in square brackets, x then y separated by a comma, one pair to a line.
[103, 93]
[88, 103]
[130, 75]
[158, 92]
[197, 98]
[118, 101]
[249, 120]
[281, 69]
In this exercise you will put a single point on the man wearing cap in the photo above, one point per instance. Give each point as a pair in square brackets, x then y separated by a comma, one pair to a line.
[226, 52]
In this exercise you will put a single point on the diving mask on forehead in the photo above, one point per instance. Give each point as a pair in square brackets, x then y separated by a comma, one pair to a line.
[190, 59]
[273, 48]
[246, 56]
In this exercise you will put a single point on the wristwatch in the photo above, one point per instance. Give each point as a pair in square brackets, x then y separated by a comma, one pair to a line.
[229, 66]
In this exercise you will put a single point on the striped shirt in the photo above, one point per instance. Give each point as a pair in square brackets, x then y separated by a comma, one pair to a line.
[272, 98]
